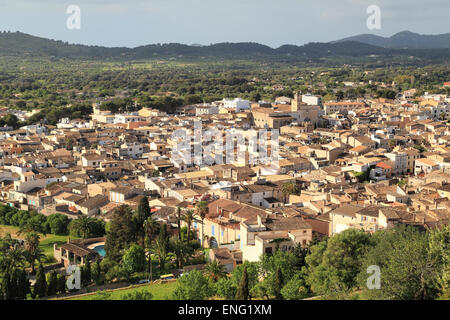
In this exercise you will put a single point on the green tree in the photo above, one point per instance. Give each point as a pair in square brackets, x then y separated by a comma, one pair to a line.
[137, 295]
[242, 292]
[141, 215]
[97, 273]
[279, 283]
[193, 286]
[202, 210]
[61, 283]
[182, 251]
[58, 223]
[40, 286]
[151, 227]
[439, 254]
[86, 274]
[82, 225]
[215, 271]
[253, 274]
[134, 259]
[52, 283]
[289, 188]
[225, 289]
[333, 266]
[32, 250]
[179, 218]
[161, 246]
[189, 218]
[23, 284]
[295, 289]
[408, 269]
[121, 233]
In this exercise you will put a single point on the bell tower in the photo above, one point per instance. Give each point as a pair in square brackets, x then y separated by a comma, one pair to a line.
[296, 102]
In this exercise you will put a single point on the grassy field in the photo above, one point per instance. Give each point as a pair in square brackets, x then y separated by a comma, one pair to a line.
[160, 291]
[46, 241]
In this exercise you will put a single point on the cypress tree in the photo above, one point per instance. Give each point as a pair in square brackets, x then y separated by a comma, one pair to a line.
[6, 287]
[97, 273]
[279, 283]
[242, 292]
[52, 283]
[40, 287]
[23, 284]
[86, 277]
[61, 279]
[142, 213]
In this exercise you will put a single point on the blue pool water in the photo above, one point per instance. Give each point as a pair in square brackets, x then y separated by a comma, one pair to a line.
[100, 250]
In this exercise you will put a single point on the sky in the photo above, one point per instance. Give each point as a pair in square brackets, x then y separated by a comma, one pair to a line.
[131, 23]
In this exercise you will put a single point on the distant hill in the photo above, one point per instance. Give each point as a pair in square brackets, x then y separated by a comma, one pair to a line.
[404, 40]
[19, 44]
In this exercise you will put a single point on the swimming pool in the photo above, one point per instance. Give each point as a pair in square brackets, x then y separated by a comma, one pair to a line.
[100, 250]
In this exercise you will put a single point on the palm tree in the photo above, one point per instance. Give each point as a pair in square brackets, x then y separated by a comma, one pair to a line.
[215, 270]
[160, 248]
[189, 217]
[179, 217]
[83, 225]
[32, 250]
[288, 189]
[182, 251]
[13, 258]
[150, 226]
[202, 210]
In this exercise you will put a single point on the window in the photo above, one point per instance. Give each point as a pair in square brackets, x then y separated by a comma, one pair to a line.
[212, 230]
[268, 250]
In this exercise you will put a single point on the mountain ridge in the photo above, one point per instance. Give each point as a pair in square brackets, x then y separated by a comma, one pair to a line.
[24, 45]
[403, 40]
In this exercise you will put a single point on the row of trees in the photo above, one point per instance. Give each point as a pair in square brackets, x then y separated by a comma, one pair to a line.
[57, 224]
[413, 264]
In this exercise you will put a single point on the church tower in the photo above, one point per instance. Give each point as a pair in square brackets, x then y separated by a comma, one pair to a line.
[296, 102]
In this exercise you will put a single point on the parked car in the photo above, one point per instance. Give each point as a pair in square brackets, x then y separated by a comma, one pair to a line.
[143, 281]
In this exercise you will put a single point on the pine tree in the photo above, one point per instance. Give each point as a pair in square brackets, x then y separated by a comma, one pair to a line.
[40, 287]
[242, 292]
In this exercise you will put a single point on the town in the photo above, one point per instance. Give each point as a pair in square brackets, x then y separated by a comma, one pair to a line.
[113, 180]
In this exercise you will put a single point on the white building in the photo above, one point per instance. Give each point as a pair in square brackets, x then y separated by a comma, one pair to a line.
[236, 104]
[127, 118]
[311, 100]
[400, 161]
[134, 149]
[439, 111]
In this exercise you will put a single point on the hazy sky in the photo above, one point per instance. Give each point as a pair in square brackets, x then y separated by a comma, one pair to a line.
[273, 22]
